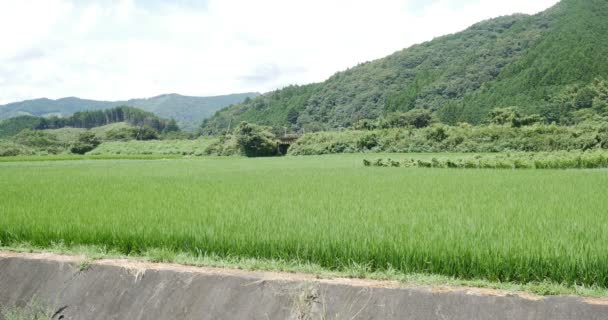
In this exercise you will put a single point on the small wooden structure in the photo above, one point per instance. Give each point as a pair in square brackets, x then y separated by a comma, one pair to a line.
[286, 141]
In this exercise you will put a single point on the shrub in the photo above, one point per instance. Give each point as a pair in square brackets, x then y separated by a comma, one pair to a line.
[87, 141]
[367, 142]
[544, 160]
[36, 139]
[256, 141]
[11, 149]
[442, 138]
[132, 133]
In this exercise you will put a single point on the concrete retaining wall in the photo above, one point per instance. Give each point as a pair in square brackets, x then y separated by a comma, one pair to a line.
[117, 289]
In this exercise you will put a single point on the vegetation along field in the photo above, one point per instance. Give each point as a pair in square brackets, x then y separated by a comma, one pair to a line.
[500, 225]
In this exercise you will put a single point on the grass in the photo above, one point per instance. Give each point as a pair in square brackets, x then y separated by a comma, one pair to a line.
[34, 310]
[68, 157]
[546, 227]
[90, 253]
[153, 147]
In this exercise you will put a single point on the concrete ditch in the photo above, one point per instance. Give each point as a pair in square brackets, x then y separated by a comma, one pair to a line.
[125, 289]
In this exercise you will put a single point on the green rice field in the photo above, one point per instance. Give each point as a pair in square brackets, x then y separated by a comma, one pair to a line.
[500, 225]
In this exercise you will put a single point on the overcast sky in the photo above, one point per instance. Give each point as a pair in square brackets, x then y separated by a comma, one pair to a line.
[123, 49]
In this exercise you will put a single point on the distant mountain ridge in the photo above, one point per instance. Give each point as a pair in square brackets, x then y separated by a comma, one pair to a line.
[188, 111]
[526, 61]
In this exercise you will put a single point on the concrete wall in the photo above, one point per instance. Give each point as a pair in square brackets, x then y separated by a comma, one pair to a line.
[116, 289]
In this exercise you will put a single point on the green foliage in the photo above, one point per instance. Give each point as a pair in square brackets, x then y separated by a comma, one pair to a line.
[171, 127]
[120, 134]
[511, 117]
[500, 225]
[145, 133]
[256, 141]
[132, 133]
[11, 149]
[32, 311]
[90, 119]
[280, 109]
[417, 118]
[11, 127]
[154, 147]
[462, 138]
[552, 160]
[225, 145]
[29, 142]
[187, 111]
[87, 141]
[35, 139]
[97, 118]
[517, 60]
[368, 141]
[580, 103]
[178, 135]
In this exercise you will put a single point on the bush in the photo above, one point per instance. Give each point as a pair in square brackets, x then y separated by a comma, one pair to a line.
[11, 149]
[544, 160]
[367, 142]
[36, 139]
[87, 141]
[226, 145]
[256, 141]
[417, 118]
[442, 138]
[132, 133]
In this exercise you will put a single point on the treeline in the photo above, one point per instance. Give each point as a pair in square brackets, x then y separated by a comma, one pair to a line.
[28, 135]
[90, 119]
[462, 138]
[98, 118]
[577, 121]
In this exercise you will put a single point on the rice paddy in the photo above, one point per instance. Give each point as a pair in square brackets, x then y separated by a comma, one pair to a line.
[516, 226]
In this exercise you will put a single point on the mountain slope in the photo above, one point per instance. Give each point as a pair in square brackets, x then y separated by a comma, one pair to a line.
[186, 110]
[574, 51]
[514, 60]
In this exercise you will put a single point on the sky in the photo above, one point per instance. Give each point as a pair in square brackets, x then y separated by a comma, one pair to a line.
[121, 49]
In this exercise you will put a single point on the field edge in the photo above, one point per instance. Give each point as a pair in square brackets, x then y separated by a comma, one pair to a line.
[84, 256]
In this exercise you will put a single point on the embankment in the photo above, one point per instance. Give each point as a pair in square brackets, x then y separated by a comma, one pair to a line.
[125, 289]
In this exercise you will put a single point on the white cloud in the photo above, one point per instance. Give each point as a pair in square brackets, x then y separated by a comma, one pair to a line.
[118, 49]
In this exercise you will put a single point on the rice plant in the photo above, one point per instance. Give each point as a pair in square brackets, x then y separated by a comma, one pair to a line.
[500, 225]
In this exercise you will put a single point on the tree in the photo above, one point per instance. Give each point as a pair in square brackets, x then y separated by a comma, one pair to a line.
[503, 116]
[171, 126]
[256, 141]
[121, 134]
[418, 118]
[145, 133]
[132, 133]
[86, 142]
[292, 116]
[584, 97]
[510, 116]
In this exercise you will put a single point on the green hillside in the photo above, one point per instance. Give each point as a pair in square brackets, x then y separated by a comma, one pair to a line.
[519, 60]
[86, 120]
[186, 110]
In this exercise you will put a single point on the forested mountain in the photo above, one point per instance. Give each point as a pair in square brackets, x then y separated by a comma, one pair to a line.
[187, 111]
[528, 61]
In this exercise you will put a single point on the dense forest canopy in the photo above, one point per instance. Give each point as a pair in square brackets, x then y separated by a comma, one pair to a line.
[522, 61]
